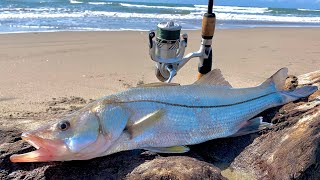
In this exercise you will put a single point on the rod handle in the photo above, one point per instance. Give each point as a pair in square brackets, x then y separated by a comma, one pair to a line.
[208, 25]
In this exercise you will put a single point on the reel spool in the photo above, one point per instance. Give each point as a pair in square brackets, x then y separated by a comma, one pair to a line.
[168, 38]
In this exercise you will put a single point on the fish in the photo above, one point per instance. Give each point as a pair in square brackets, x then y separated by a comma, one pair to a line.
[160, 117]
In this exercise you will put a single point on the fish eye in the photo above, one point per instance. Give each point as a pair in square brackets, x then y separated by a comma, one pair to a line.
[64, 125]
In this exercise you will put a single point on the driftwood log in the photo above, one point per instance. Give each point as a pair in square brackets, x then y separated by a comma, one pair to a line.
[288, 150]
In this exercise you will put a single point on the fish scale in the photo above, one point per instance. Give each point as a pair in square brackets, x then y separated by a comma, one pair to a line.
[203, 95]
[183, 126]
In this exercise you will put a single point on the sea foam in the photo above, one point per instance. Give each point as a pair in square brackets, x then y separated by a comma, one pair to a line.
[68, 13]
[95, 15]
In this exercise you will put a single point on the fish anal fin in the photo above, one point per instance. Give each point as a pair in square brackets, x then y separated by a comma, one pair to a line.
[158, 84]
[278, 79]
[213, 77]
[144, 123]
[252, 126]
[173, 149]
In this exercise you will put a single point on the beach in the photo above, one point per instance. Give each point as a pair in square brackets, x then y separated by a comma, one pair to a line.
[47, 75]
[36, 68]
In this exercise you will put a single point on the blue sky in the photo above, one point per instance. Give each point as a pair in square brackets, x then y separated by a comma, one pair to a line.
[311, 4]
[308, 4]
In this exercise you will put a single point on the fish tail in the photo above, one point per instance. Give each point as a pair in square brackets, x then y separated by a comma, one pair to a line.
[277, 84]
[277, 80]
[293, 95]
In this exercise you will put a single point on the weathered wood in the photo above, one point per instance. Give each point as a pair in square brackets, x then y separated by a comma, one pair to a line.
[309, 78]
[290, 150]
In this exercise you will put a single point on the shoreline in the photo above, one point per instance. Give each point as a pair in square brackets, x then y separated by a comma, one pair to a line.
[143, 30]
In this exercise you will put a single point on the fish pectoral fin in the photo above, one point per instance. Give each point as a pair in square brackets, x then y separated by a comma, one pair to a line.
[144, 123]
[252, 126]
[158, 84]
[214, 77]
[173, 149]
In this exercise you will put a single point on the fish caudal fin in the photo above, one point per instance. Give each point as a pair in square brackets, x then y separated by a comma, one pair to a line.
[296, 94]
[252, 126]
[278, 79]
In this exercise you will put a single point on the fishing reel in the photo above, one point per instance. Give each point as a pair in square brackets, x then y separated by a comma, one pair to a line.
[167, 50]
[167, 47]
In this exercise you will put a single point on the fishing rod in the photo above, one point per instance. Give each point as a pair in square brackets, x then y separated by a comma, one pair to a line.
[167, 47]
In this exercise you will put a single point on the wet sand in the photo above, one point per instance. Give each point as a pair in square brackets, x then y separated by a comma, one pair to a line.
[37, 68]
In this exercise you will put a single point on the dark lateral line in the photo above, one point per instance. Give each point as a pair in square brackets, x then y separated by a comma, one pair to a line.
[187, 106]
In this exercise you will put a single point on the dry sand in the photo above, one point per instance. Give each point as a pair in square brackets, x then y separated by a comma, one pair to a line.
[36, 67]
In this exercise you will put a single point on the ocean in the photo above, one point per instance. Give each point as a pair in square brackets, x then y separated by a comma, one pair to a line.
[102, 15]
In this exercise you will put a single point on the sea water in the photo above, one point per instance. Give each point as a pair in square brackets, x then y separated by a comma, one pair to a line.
[101, 15]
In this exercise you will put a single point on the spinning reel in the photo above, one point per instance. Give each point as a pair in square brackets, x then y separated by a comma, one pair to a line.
[167, 47]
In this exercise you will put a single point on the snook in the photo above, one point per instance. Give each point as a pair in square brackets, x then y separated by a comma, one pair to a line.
[161, 118]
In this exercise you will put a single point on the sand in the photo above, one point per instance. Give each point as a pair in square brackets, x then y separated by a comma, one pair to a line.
[37, 69]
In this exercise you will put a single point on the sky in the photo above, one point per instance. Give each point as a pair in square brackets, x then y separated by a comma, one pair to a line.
[307, 4]
[311, 4]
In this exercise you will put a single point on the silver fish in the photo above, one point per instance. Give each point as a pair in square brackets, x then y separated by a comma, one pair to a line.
[161, 118]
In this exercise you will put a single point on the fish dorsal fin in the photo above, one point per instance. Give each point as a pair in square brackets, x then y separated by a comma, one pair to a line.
[158, 84]
[144, 123]
[278, 79]
[173, 149]
[213, 77]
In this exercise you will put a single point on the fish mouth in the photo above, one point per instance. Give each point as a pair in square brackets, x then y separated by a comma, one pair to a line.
[47, 150]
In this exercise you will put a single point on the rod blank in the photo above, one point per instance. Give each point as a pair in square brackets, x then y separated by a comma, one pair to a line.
[210, 6]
